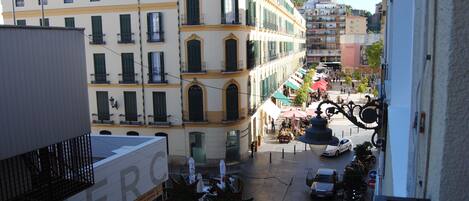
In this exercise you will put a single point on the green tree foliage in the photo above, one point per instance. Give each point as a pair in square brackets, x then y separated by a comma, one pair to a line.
[348, 80]
[356, 75]
[375, 92]
[374, 53]
[365, 81]
[301, 96]
[362, 88]
[313, 65]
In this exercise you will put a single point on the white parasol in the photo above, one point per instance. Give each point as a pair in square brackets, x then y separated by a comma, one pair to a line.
[191, 170]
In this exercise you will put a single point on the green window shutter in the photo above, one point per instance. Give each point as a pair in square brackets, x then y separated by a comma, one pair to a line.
[128, 73]
[70, 22]
[159, 106]
[103, 105]
[162, 66]
[232, 102]
[99, 68]
[194, 56]
[223, 14]
[192, 12]
[130, 102]
[97, 29]
[231, 55]
[125, 28]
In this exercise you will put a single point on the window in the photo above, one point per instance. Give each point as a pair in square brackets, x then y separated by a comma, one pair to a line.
[105, 132]
[197, 146]
[192, 12]
[19, 3]
[253, 54]
[97, 30]
[41, 1]
[156, 64]
[230, 11]
[130, 103]
[132, 133]
[100, 75]
[196, 106]
[167, 143]
[103, 105]
[125, 35]
[68, 1]
[70, 22]
[232, 102]
[231, 55]
[251, 13]
[46, 22]
[21, 22]
[155, 27]
[194, 56]
[128, 73]
[159, 107]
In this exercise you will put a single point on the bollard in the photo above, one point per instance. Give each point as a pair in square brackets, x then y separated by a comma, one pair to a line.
[283, 153]
[350, 131]
[342, 134]
[270, 158]
[294, 149]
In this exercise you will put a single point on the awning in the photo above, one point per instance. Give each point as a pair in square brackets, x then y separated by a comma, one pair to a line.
[297, 79]
[302, 71]
[290, 85]
[282, 98]
[271, 109]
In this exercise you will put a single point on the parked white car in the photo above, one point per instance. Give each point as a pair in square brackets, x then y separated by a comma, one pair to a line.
[342, 146]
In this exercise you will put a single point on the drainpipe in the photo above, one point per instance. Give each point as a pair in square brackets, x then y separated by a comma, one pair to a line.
[141, 59]
[181, 82]
[13, 9]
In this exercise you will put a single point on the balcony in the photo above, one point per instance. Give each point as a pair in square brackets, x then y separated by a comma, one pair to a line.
[102, 118]
[100, 78]
[192, 21]
[196, 119]
[232, 69]
[128, 78]
[157, 78]
[131, 119]
[97, 39]
[159, 121]
[235, 21]
[153, 37]
[251, 21]
[194, 70]
[125, 38]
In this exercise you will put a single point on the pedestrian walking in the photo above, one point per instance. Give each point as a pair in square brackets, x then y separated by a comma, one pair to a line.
[273, 125]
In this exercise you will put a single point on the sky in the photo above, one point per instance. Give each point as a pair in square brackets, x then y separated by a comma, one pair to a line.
[368, 5]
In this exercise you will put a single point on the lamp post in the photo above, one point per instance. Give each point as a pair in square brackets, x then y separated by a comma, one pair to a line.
[370, 116]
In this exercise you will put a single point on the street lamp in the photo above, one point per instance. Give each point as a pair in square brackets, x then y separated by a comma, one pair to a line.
[370, 116]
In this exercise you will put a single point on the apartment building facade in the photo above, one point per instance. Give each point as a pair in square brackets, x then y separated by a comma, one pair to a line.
[194, 71]
[326, 21]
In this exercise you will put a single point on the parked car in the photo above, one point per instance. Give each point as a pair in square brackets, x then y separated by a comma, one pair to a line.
[324, 184]
[337, 148]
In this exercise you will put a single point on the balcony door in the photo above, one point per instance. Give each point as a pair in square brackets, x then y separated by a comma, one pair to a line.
[196, 106]
[102, 105]
[232, 146]
[231, 55]
[232, 112]
[192, 12]
[130, 103]
[156, 61]
[230, 11]
[194, 56]
[125, 28]
[97, 29]
[159, 107]
[128, 72]
[155, 26]
[99, 68]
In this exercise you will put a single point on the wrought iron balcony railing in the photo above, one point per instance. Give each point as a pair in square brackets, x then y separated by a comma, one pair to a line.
[100, 78]
[157, 78]
[128, 78]
[227, 68]
[130, 119]
[125, 38]
[155, 36]
[102, 118]
[97, 39]
[194, 69]
[159, 120]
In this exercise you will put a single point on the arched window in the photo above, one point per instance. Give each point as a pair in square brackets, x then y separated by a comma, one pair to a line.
[192, 12]
[194, 57]
[132, 133]
[232, 102]
[196, 106]
[231, 55]
[105, 132]
[166, 136]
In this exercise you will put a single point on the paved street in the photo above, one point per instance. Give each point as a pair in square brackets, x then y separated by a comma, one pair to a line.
[285, 179]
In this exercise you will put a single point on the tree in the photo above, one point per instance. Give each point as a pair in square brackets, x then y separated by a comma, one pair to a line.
[301, 96]
[348, 80]
[375, 92]
[362, 88]
[356, 75]
[374, 53]
[365, 81]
